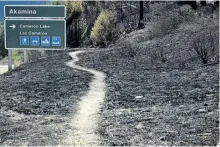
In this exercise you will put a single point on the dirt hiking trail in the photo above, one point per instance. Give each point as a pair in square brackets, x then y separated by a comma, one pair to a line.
[85, 121]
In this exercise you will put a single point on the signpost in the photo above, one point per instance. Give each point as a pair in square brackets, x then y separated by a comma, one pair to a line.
[39, 27]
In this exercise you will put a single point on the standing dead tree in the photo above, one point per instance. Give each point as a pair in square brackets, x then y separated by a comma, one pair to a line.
[141, 17]
[76, 9]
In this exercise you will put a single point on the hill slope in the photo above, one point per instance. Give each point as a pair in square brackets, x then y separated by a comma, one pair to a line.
[159, 91]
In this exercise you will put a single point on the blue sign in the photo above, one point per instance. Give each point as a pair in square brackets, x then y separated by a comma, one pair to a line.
[45, 41]
[56, 41]
[24, 40]
[34, 41]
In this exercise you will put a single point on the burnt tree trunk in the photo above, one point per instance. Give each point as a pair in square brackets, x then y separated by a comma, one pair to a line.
[76, 30]
[216, 4]
[141, 17]
[121, 12]
[203, 3]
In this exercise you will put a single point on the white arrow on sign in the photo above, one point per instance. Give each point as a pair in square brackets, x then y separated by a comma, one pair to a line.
[13, 26]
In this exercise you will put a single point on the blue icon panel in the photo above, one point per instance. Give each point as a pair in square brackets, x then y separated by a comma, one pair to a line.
[34, 41]
[24, 40]
[56, 41]
[45, 41]
[40, 41]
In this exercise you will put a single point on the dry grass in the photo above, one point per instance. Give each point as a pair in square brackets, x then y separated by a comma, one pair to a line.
[45, 93]
[159, 92]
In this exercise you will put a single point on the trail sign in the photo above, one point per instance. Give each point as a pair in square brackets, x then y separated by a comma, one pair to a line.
[35, 11]
[35, 33]
[40, 32]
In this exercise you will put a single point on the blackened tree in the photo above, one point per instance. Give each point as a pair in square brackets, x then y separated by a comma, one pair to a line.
[141, 17]
[203, 3]
[216, 4]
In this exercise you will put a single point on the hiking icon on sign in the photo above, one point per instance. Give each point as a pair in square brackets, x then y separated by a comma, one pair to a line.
[24, 40]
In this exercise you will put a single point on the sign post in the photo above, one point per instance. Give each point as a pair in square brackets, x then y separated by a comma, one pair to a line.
[25, 56]
[9, 59]
[34, 27]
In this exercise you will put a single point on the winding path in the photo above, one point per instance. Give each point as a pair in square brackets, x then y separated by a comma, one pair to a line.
[85, 121]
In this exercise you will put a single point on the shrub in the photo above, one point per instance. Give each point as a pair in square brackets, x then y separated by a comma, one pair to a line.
[158, 55]
[104, 30]
[127, 50]
[205, 44]
[186, 13]
[17, 57]
[33, 55]
[169, 22]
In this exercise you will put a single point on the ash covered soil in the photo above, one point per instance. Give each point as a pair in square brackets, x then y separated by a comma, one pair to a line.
[156, 102]
[38, 99]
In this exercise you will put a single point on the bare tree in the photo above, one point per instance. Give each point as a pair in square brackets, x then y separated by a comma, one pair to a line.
[141, 17]
[205, 45]
[216, 4]
[75, 10]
